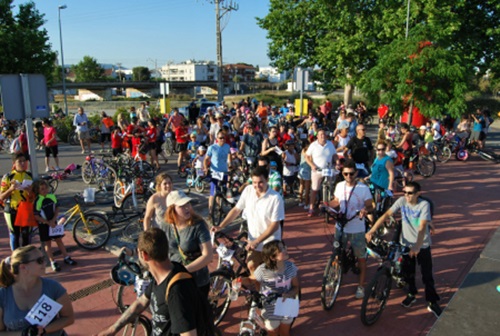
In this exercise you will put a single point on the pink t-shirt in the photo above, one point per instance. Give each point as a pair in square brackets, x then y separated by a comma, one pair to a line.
[49, 133]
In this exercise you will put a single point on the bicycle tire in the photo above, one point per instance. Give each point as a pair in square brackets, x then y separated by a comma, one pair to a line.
[143, 169]
[125, 296]
[100, 231]
[332, 278]
[108, 175]
[119, 193]
[220, 208]
[87, 173]
[53, 184]
[199, 186]
[444, 154]
[127, 205]
[218, 295]
[140, 327]
[133, 229]
[488, 155]
[376, 295]
[426, 166]
[73, 138]
[168, 147]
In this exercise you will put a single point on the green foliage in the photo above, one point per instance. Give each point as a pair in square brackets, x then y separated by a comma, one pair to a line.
[88, 70]
[484, 102]
[24, 44]
[64, 127]
[140, 74]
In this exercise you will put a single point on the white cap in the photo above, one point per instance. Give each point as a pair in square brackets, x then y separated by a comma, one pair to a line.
[177, 197]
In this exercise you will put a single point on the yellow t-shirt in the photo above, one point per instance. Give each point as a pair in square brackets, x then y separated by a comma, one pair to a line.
[17, 195]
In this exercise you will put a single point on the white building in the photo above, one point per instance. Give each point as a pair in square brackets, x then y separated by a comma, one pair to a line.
[190, 71]
[271, 74]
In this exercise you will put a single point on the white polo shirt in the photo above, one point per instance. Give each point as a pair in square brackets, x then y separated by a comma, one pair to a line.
[260, 212]
[321, 155]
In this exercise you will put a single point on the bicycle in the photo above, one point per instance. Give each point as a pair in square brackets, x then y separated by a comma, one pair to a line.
[90, 230]
[341, 260]
[196, 178]
[231, 252]
[95, 170]
[328, 186]
[128, 275]
[222, 204]
[390, 255]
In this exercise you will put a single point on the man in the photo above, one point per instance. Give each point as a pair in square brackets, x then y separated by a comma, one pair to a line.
[217, 160]
[216, 127]
[478, 127]
[177, 315]
[81, 122]
[15, 188]
[274, 181]
[264, 209]
[415, 235]
[143, 115]
[236, 121]
[175, 120]
[251, 144]
[353, 124]
[352, 197]
[274, 118]
[360, 149]
[320, 155]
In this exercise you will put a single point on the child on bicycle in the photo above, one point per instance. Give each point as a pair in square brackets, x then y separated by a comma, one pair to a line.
[193, 145]
[46, 211]
[277, 275]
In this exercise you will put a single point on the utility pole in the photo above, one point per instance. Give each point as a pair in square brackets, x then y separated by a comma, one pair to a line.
[221, 9]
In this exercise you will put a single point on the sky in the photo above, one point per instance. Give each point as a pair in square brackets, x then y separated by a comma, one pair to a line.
[153, 32]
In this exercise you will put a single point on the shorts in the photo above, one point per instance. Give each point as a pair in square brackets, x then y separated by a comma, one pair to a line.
[358, 243]
[274, 324]
[83, 135]
[482, 136]
[214, 183]
[181, 147]
[43, 230]
[475, 135]
[54, 150]
[305, 173]
[255, 257]
[152, 146]
[105, 136]
[316, 179]
[289, 180]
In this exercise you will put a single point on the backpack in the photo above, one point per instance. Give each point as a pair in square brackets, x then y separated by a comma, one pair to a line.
[442, 130]
[15, 146]
[204, 317]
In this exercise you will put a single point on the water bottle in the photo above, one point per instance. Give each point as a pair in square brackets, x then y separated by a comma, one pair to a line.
[235, 289]
[61, 220]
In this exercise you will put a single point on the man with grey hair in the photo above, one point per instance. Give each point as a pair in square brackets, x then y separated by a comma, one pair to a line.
[81, 123]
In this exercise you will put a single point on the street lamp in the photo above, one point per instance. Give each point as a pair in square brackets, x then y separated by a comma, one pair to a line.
[62, 61]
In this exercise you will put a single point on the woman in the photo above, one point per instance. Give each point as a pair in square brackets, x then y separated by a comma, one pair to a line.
[304, 177]
[157, 203]
[22, 286]
[382, 174]
[277, 275]
[201, 131]
[271, 148]
[122, 121]
[50, 143]
[106, 124]
[188, 238]
[152, 135]
[342, 138]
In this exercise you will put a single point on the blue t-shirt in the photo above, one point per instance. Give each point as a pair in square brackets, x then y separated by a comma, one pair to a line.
[380, 175]
[218, 157]
[478, 126]
[13, 317]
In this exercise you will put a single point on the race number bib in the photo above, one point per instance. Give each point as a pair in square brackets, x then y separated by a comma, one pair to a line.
[360, 166]
[44, 310]
[141, 285]
[218, 175]
[327, 172]
[168, 134]
[58, 230]
[282, 282]
[224, 253]
[278, 150]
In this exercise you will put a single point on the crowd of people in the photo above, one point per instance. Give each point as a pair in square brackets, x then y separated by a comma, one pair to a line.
[281, 148]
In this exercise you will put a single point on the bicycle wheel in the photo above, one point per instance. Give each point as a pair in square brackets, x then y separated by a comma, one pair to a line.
[94, 234]
[143, 169]
[119, 192]
[168, 147]
[218, 296]
[109, 176]
[87, 172]
[220, 209]
[127, 205]
[444, 154]
[73, 139]
[425, 166]
[332, 277]
[199, 186]
[133, 229]
[140, 327]
[488, 155]
[53, 184]
[376, 296]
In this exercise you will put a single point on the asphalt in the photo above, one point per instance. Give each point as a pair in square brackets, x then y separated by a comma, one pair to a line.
[466, 252]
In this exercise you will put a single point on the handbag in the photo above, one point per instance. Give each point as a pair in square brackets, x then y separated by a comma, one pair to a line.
[186, 257]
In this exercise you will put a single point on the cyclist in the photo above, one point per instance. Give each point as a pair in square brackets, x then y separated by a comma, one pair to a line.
[251, 143]
[382, 175]
[416, 217]
[360, 149]
[351, 197]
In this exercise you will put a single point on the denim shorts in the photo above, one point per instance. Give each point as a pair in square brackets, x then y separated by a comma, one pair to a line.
[358, 243]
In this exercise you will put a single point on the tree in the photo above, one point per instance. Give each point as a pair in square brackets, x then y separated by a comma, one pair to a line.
[24, 44]
[88, 70]
[141, 73]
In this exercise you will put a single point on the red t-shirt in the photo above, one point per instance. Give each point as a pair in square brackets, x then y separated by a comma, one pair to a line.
[49, 133]
[116, 140]
[151, 134]
[179, 132]
[136, 142]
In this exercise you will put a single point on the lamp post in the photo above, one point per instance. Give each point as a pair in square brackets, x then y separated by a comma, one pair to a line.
[62, 61]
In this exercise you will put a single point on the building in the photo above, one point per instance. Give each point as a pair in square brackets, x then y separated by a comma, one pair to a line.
[190, 70]
[271, 74]
[245, 72]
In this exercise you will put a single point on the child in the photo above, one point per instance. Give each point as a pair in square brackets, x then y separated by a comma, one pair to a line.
[138, 142]
[46, 211]
[304, 177]
[193, 145]
[116, 141]
[277, 275]
[291, 162]
[198, 161]
[235, 160]
[391, 132]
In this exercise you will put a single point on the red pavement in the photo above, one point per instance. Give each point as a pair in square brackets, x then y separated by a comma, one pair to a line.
[466, 200]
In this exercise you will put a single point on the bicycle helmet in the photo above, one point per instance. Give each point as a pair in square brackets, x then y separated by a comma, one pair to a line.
[122, 274]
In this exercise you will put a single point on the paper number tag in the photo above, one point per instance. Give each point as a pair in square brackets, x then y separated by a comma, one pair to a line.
[58, 230]
[303, 136]
[44, 310]
[141, 285]
[327, 172]
[278, 150]
[224, 253]
[218, 175]
[360, 166]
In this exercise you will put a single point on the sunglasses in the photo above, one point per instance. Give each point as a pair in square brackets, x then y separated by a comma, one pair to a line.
[362, 129]
[221, 138]
[381, 149]
[408, 192]
[39, 260]
[348, 173]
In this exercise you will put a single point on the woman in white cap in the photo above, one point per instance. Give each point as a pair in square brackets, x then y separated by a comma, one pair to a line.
[188, 238]
[157, 203]
[22, 285]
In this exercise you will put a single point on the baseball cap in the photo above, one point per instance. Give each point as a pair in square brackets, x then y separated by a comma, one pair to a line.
[202, 148]
[218, 116]
[423, 127]
[177, 197]
[343, 125]
[273, 164]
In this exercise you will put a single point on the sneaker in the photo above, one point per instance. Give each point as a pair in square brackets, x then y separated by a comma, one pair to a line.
[310, 213]
[47, 169]
[57, 168]
[69, 261]
[306, 207]
[360, 293]
[83, 152]
[434, 308]
[409, 301]
[55, 266]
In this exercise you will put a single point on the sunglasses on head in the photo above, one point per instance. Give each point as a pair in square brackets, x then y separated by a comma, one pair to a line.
[39, 260]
